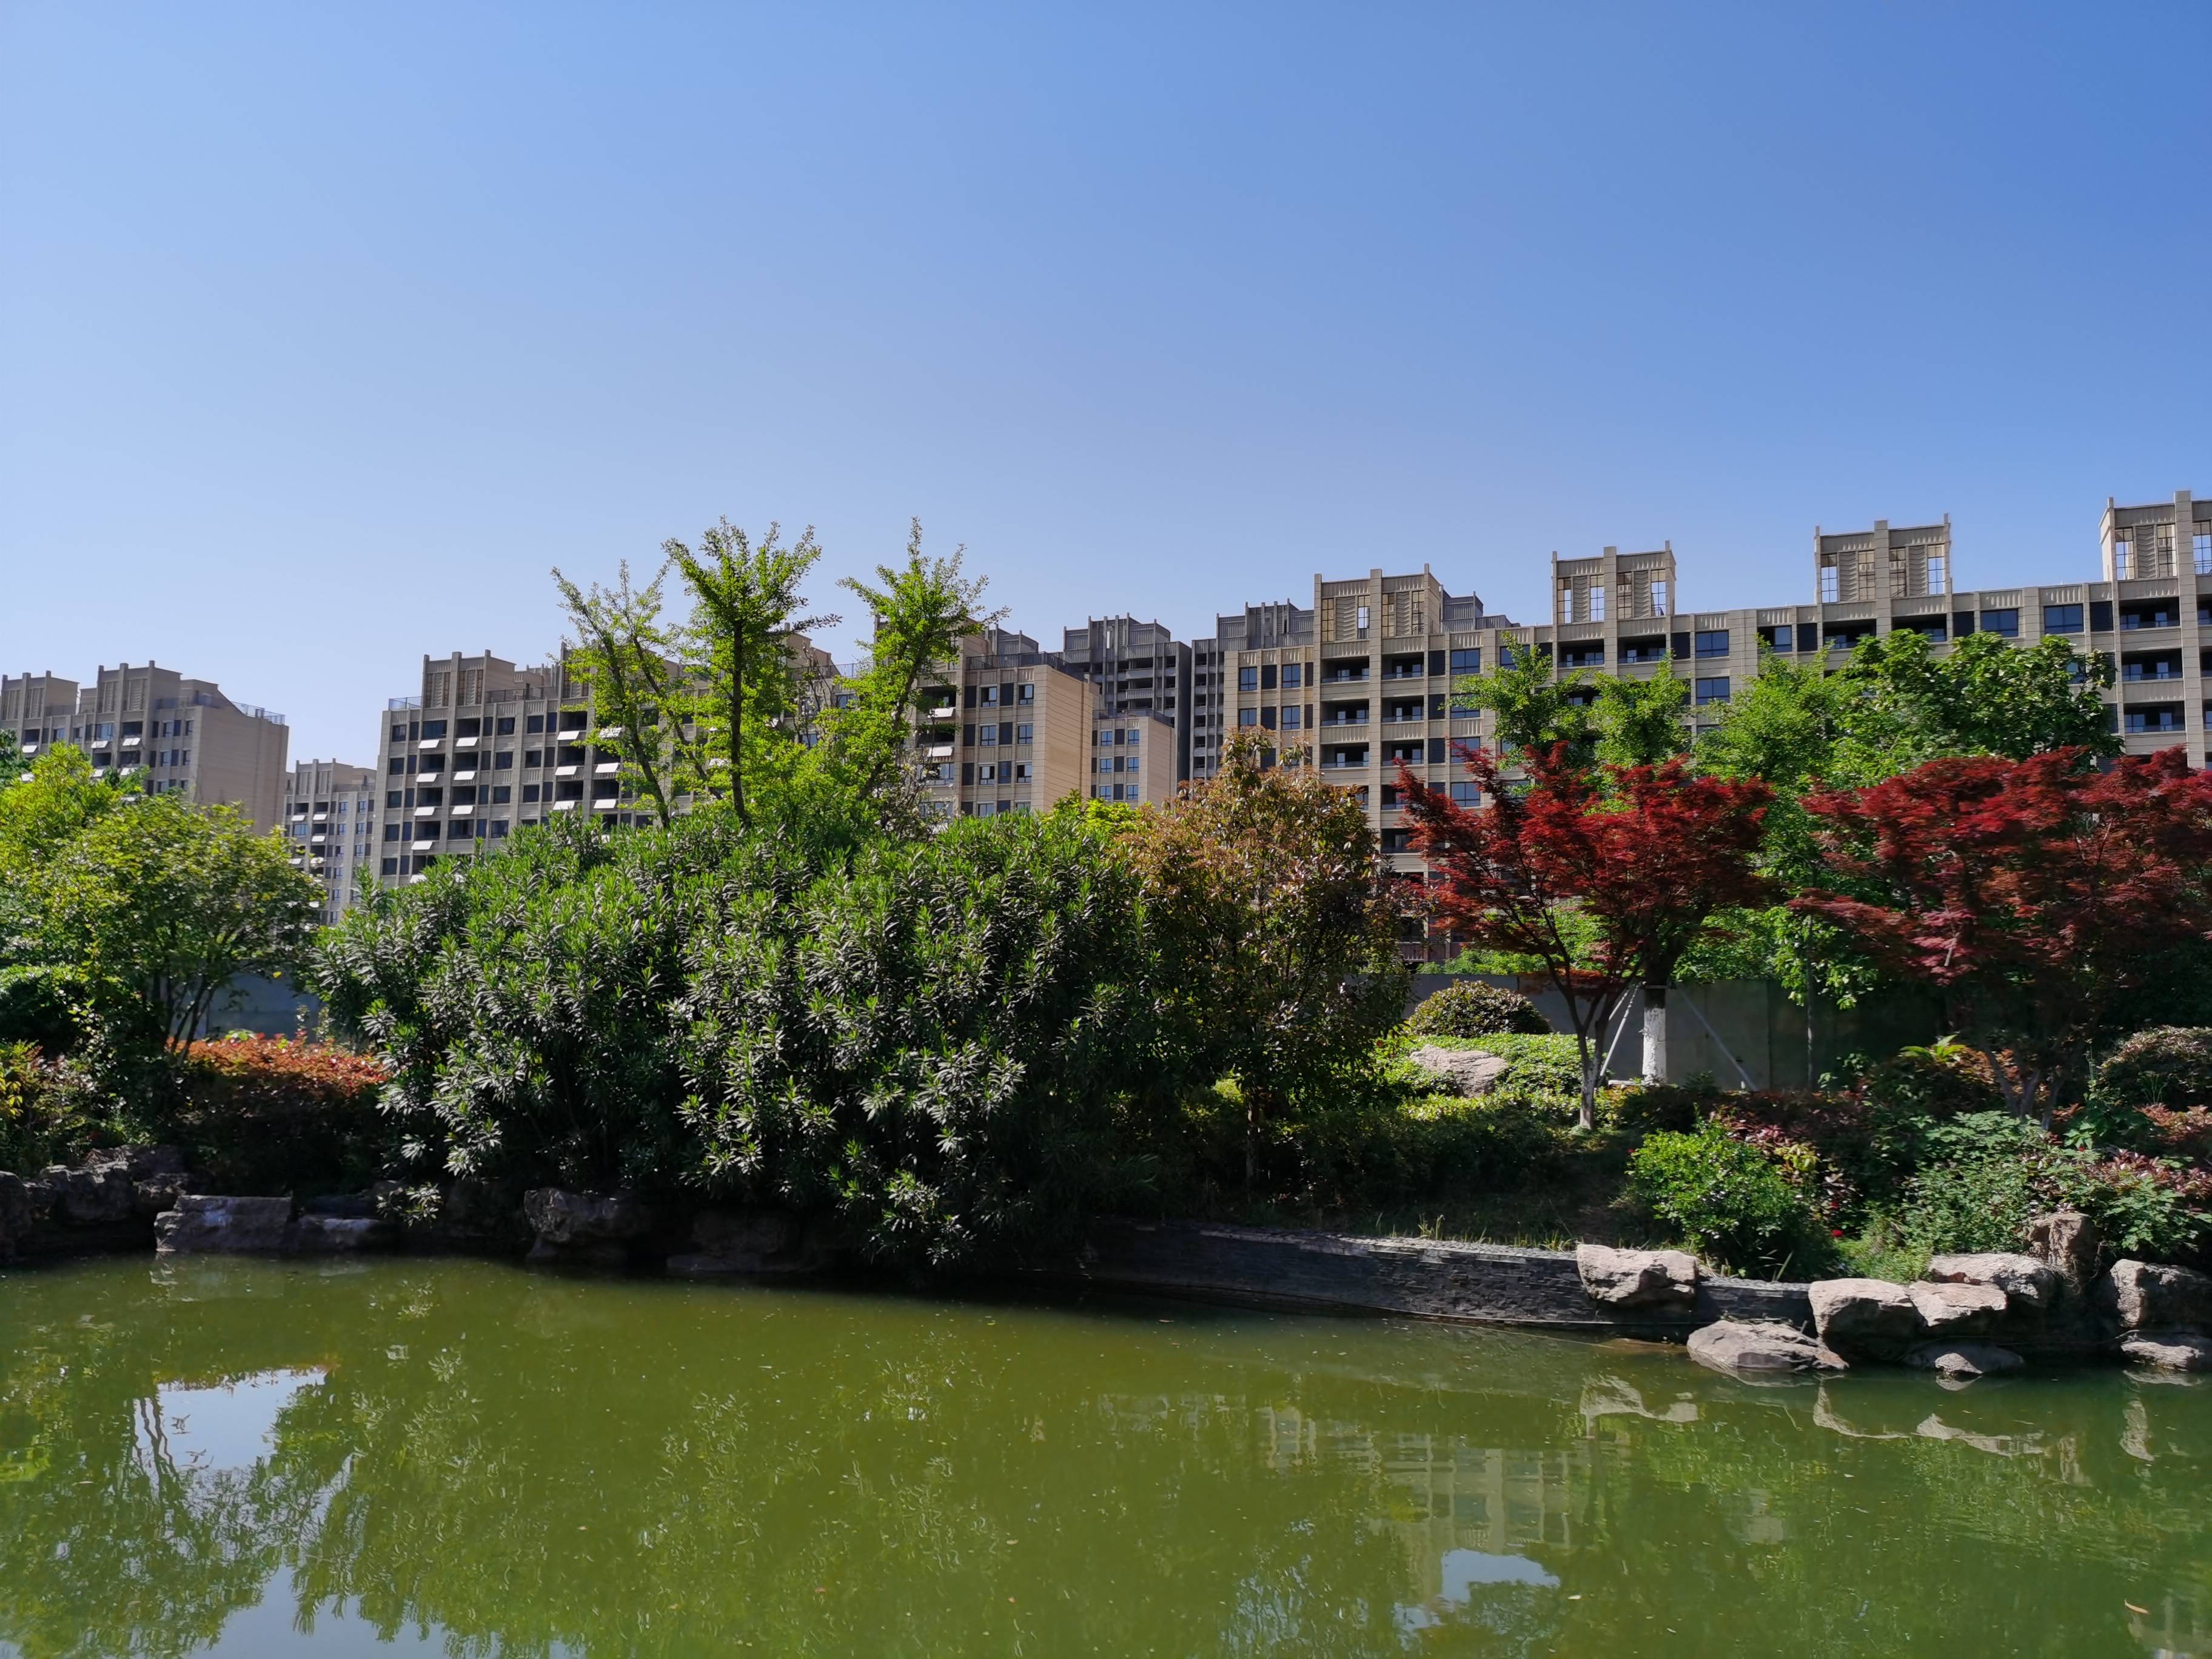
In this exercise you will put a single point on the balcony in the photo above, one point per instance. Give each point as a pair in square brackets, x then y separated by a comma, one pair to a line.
[1333, 721]
[1343, 676]
[2151, 722]
[1404, 674]
[2137, 671]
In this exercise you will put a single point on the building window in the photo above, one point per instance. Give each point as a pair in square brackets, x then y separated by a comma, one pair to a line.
[1025, 692]
[2058, 619]
[2200, 542]
[1247, 717]
[2005, 624]
[1712, 691]
[1827, 584]
[1247, 679]
[1713, 643]
[1466, 662]
[1294, 674]
[1025, 733]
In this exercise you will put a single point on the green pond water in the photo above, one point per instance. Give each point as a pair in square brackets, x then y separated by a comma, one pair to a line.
[459, 1457]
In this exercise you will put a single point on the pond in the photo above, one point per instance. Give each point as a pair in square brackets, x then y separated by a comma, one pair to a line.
[242, 1457]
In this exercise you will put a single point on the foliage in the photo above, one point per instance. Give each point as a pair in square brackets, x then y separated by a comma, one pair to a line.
[271, 1114]
[1473, 1009]
[1640, 722]
[2167, 1066]
[1906, 706]
[1532, 710]
[1647, 863]
[122, 916]
[744, 619]
[1736, 1205]
[2035, 893]
[625, 654]
[936, 1047]
[1269, 877]
[49, 1113]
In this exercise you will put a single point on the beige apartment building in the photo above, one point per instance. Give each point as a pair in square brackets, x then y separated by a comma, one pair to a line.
[330, 823]
[1004, 729]
[172, 734]
[1138, 668]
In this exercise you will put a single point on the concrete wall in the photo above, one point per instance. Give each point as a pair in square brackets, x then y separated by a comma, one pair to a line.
[1752, 1023]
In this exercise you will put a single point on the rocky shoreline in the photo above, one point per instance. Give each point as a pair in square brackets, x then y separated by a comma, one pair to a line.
[1970, 1316]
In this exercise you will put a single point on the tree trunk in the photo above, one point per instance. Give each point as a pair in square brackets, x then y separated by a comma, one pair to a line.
[1655, 1034]
[1593, 1063]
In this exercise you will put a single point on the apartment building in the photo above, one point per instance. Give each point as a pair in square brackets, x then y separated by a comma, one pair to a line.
[331, 822]
[175, 735]
[1006, 728]
[1140, 668]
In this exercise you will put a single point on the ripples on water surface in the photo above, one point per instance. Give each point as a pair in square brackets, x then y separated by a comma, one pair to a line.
[458, 1457]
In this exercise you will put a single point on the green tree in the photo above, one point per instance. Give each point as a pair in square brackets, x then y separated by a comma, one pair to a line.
[1984, 696]
[746, 609]
[1270, 876]
[628, 658]
[1640, 722]
[1532, 707]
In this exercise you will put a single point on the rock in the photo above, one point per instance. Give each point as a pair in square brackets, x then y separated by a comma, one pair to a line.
[1959, 1310]
[203, 1223]
[1864, 1318]
[2065, 1241]
[2153, 1295]
[16, 1216]
[2170, 1350]
[340, 1234]
[1461, 1071]
[94, 1194]
[752, 1243]
[2028, 1284]
[562, 1218]
[1638, 1278]
[1753, 1347]
[1962, 1362]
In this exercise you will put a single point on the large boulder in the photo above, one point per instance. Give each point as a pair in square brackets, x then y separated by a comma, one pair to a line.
[16, 1213]
[586, 1229]
[1638, 1278]
[206, 1224]
[2066, 1242]
[1962, 1362]
[1865, 1318]
[94, 1194]
[1956, 1309]
[2170, 1352]
[1753, 1348]
[2152, 1295]
[752, 1244]
[1458, 1071]
[2029, 1285]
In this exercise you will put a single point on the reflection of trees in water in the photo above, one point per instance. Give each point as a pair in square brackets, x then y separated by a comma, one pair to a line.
[518, 1462]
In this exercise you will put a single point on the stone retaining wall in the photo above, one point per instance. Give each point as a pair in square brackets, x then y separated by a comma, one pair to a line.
[1412, 1277]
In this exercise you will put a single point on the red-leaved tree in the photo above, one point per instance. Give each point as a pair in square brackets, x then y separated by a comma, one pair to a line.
[2035, 893]
[1644, 855]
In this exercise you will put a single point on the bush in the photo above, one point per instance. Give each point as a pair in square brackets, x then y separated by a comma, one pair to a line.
[1473, 1009]
[2168, 1066]
[1732, 1203]
[1985, 1174]
[1944, 1080]
[49, 1114]
[266, 1115]
[1641, 1109]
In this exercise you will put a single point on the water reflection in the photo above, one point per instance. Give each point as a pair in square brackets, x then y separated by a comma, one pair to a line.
[265, 1456]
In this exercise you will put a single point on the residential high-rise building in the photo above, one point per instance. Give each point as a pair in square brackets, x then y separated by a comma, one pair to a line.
[331, 811]
[1004, 729]
[172, 734]
[1138, 668]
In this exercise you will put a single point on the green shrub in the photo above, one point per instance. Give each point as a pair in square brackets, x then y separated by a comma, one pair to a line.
[1473, 1009]
[2168, 1066]
[1732, 1203]
[1984, 1173]
[1641, 1109]
[1942, 1080]
[49, 1113]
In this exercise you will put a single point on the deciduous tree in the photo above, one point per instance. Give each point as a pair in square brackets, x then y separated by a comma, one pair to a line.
[2037, 893]
[1605, 877]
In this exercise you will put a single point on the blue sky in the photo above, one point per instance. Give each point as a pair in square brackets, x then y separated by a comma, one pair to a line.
[328, 329]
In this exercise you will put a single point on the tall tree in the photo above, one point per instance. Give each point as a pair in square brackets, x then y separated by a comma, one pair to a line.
[1639, 722]
[1607, 878]
[1270, 878]
[746, 607]
[1532, 707]
[630, 660]
[2036, 893]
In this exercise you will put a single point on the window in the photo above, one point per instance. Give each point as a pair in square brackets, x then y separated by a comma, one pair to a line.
[2059, 619]
[1247, 679]
[1827, 584]
[530, 792]
[2005, 624]
[2200, 541]
[988, 735]
[503, 761]
[1133, 735]
[1779, 637]
[1713, 643]
[1466, 662]
[1267, 676]
[1466, 793]
[1935, 573]
[1022, 772]
[501, 794]
[399, 733]
[1361, 623]
[1292, 717]
[1247, 717]
[392, 797]
[1025, 732]
[434, 729]
[499, 828]
[1712, 691]
[988, 696]
[396, 766]
[506, 726]
[988, 772]
[392, 832]
[1294, 673]
[1025, 692]
[1659, 596]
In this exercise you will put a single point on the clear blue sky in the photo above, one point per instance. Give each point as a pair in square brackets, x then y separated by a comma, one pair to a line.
[327, 330]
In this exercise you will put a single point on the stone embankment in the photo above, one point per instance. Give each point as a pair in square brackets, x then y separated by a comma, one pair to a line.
[1969, 1317]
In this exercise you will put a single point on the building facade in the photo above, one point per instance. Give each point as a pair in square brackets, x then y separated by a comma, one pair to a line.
[1140, 668]
[172, 734]
[331, 814]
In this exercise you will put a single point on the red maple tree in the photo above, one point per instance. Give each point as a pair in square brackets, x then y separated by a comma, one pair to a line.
[1605, 875]
[2035, 893]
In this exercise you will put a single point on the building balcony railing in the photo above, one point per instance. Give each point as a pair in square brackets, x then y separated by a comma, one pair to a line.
[2162, 671]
